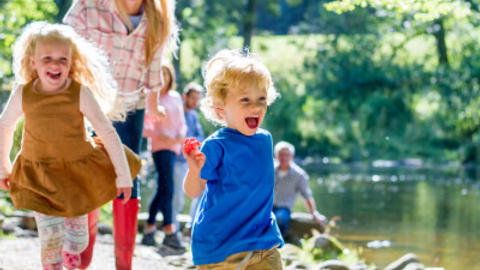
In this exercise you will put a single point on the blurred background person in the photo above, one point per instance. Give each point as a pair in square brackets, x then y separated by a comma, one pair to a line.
[290, 179]
[192, 93]
[165, 140]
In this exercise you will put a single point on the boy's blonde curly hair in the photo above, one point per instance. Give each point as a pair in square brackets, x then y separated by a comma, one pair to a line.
[230, 70]
[89, 64]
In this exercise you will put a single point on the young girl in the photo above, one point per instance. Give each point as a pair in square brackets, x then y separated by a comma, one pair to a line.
[136, 35]
[166, 137]
[234, 227]
[58, 173]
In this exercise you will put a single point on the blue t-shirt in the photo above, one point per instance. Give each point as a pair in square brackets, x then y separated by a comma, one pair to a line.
[235, 213]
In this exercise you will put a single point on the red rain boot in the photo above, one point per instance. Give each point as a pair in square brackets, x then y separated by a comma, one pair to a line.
[86, 255]
[124, 231]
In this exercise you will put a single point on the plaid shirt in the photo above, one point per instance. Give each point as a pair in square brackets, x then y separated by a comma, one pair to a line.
[98, 21]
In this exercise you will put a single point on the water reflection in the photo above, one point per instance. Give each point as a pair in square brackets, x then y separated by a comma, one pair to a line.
[429, 210]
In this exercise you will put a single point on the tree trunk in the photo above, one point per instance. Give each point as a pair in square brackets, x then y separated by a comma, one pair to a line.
[439, 34]
[248, 23]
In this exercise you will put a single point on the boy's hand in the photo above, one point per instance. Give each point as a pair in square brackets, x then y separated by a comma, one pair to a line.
[127, 192]
[194, 157]
[5, 184]
[190, 144]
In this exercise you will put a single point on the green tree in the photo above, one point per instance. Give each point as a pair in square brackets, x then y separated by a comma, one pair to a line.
[15, 14]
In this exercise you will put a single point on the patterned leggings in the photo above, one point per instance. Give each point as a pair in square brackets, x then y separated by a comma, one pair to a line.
[59, 234]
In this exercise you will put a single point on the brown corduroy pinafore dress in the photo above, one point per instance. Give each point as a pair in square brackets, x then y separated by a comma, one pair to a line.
[58, 172]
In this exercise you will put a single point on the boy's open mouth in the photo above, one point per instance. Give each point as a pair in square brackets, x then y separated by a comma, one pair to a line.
[54, 75]
[252, 122]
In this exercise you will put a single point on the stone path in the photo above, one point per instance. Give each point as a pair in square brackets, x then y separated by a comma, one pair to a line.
[24, 254]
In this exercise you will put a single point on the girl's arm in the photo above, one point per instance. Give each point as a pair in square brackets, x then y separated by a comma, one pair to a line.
[106, 132]
[12, 112]
[193, 185]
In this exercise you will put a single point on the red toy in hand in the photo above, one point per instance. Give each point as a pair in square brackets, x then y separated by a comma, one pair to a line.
[190, 144]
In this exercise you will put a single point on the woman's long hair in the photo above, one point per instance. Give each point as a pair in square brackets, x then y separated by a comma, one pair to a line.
[162, 30]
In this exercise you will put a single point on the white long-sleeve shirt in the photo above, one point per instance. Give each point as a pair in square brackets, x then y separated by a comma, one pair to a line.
[90, 109]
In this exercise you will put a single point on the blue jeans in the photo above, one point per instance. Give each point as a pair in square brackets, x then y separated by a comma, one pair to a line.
[282, 214]
[130, 133]
[163, 197]
[179, 171]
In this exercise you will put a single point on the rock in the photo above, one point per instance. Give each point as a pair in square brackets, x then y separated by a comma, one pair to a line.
[379, 244]
[296, 265]
[321, 241]
[19, 232]
[301, 226]
[414, 266]
[326, 242]
[106, 238]
[359, 266]
[104, 228]
[168, 251]
[332, 265]
[182, 219]
[289, 253]
[401, 263]
[10, 224]
[28, 221]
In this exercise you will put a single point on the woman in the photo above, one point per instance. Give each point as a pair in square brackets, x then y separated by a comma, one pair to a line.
[166, 138]
[135, 34]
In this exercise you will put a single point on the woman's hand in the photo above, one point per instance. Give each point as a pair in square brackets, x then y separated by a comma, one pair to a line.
[194, 157]
[320, 219]
[5, 184]
[127, 192]
[161, 112]
[158, 113]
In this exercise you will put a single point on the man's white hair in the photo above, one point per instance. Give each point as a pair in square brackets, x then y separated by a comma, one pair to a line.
[284, 145]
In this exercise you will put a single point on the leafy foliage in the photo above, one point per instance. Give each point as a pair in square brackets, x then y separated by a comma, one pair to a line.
[14, 14]
[425, 10]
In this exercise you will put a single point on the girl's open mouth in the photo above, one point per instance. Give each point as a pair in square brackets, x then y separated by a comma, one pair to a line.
[252, 122]
[54, 75]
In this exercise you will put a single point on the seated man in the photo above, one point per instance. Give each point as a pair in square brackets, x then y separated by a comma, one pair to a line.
[289, 180]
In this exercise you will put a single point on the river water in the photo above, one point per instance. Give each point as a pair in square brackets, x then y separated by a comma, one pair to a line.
[389, 210]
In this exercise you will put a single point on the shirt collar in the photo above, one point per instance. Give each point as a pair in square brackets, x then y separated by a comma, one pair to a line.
[110, 6]
[277, 167]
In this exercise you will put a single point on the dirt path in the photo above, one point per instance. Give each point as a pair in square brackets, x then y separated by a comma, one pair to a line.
[24, 254]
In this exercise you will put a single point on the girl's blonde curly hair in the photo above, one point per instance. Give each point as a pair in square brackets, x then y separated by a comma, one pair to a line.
[89, 64]
[232, 70]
